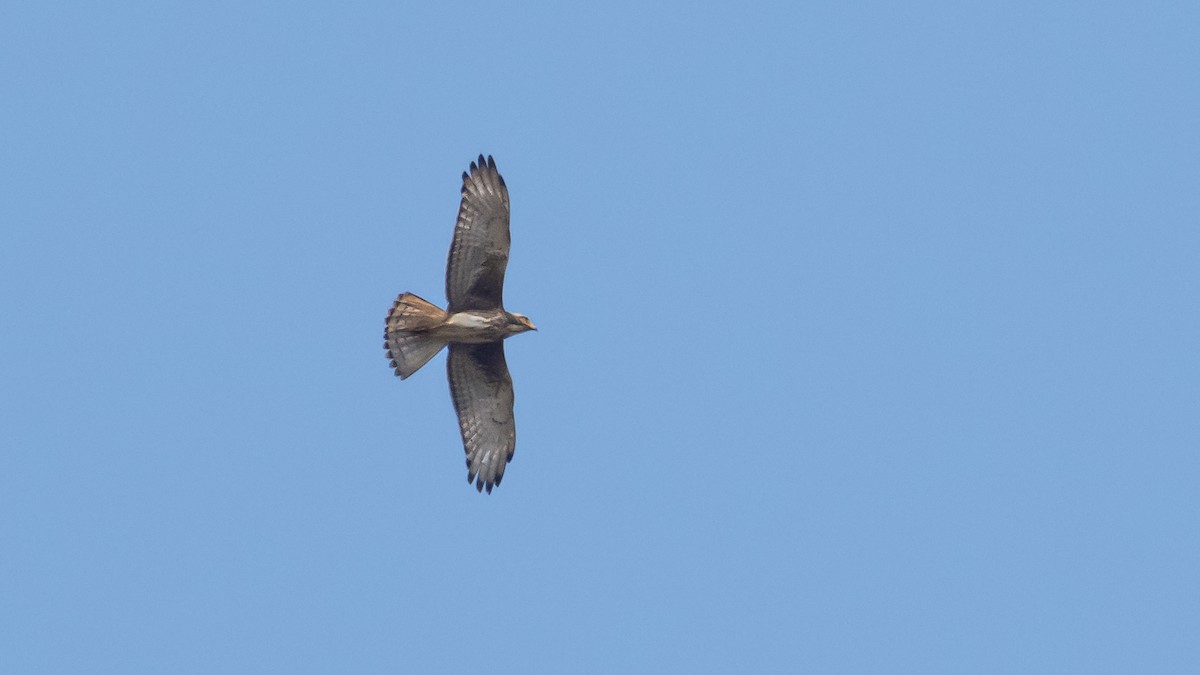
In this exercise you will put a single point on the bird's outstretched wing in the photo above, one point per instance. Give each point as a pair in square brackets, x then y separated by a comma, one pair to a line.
[483, 397]
[479, 250]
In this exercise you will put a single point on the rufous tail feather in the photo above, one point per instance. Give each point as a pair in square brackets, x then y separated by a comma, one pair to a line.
[406, 334]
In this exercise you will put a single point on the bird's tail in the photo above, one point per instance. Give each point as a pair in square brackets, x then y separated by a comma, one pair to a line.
[406, 336]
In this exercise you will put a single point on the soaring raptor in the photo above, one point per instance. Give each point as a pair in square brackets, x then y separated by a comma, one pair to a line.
[474, 324]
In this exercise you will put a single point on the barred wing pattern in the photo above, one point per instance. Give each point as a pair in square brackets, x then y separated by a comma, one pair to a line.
[483, 397]
[479, 250]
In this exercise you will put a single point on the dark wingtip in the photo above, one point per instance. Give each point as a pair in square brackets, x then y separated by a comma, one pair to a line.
[492, 165]
[477, 479]
[481, 164]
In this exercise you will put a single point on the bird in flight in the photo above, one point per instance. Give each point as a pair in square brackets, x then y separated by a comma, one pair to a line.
[474, 324]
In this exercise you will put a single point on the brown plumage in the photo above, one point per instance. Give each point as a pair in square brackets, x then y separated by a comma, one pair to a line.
[474, 324]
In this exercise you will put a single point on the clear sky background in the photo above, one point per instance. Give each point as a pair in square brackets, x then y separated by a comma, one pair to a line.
[868, 338]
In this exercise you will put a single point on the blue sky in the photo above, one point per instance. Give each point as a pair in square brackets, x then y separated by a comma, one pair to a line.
[868, 338]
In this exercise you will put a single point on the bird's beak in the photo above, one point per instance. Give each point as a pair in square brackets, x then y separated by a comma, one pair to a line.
[530, 324]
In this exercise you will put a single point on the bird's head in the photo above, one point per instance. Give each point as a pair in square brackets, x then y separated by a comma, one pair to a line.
[519, 323]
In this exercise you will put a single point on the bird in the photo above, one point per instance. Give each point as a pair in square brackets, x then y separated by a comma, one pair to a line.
[474, 325]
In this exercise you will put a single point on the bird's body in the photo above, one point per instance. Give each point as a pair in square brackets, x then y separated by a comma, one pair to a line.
[474, 325]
